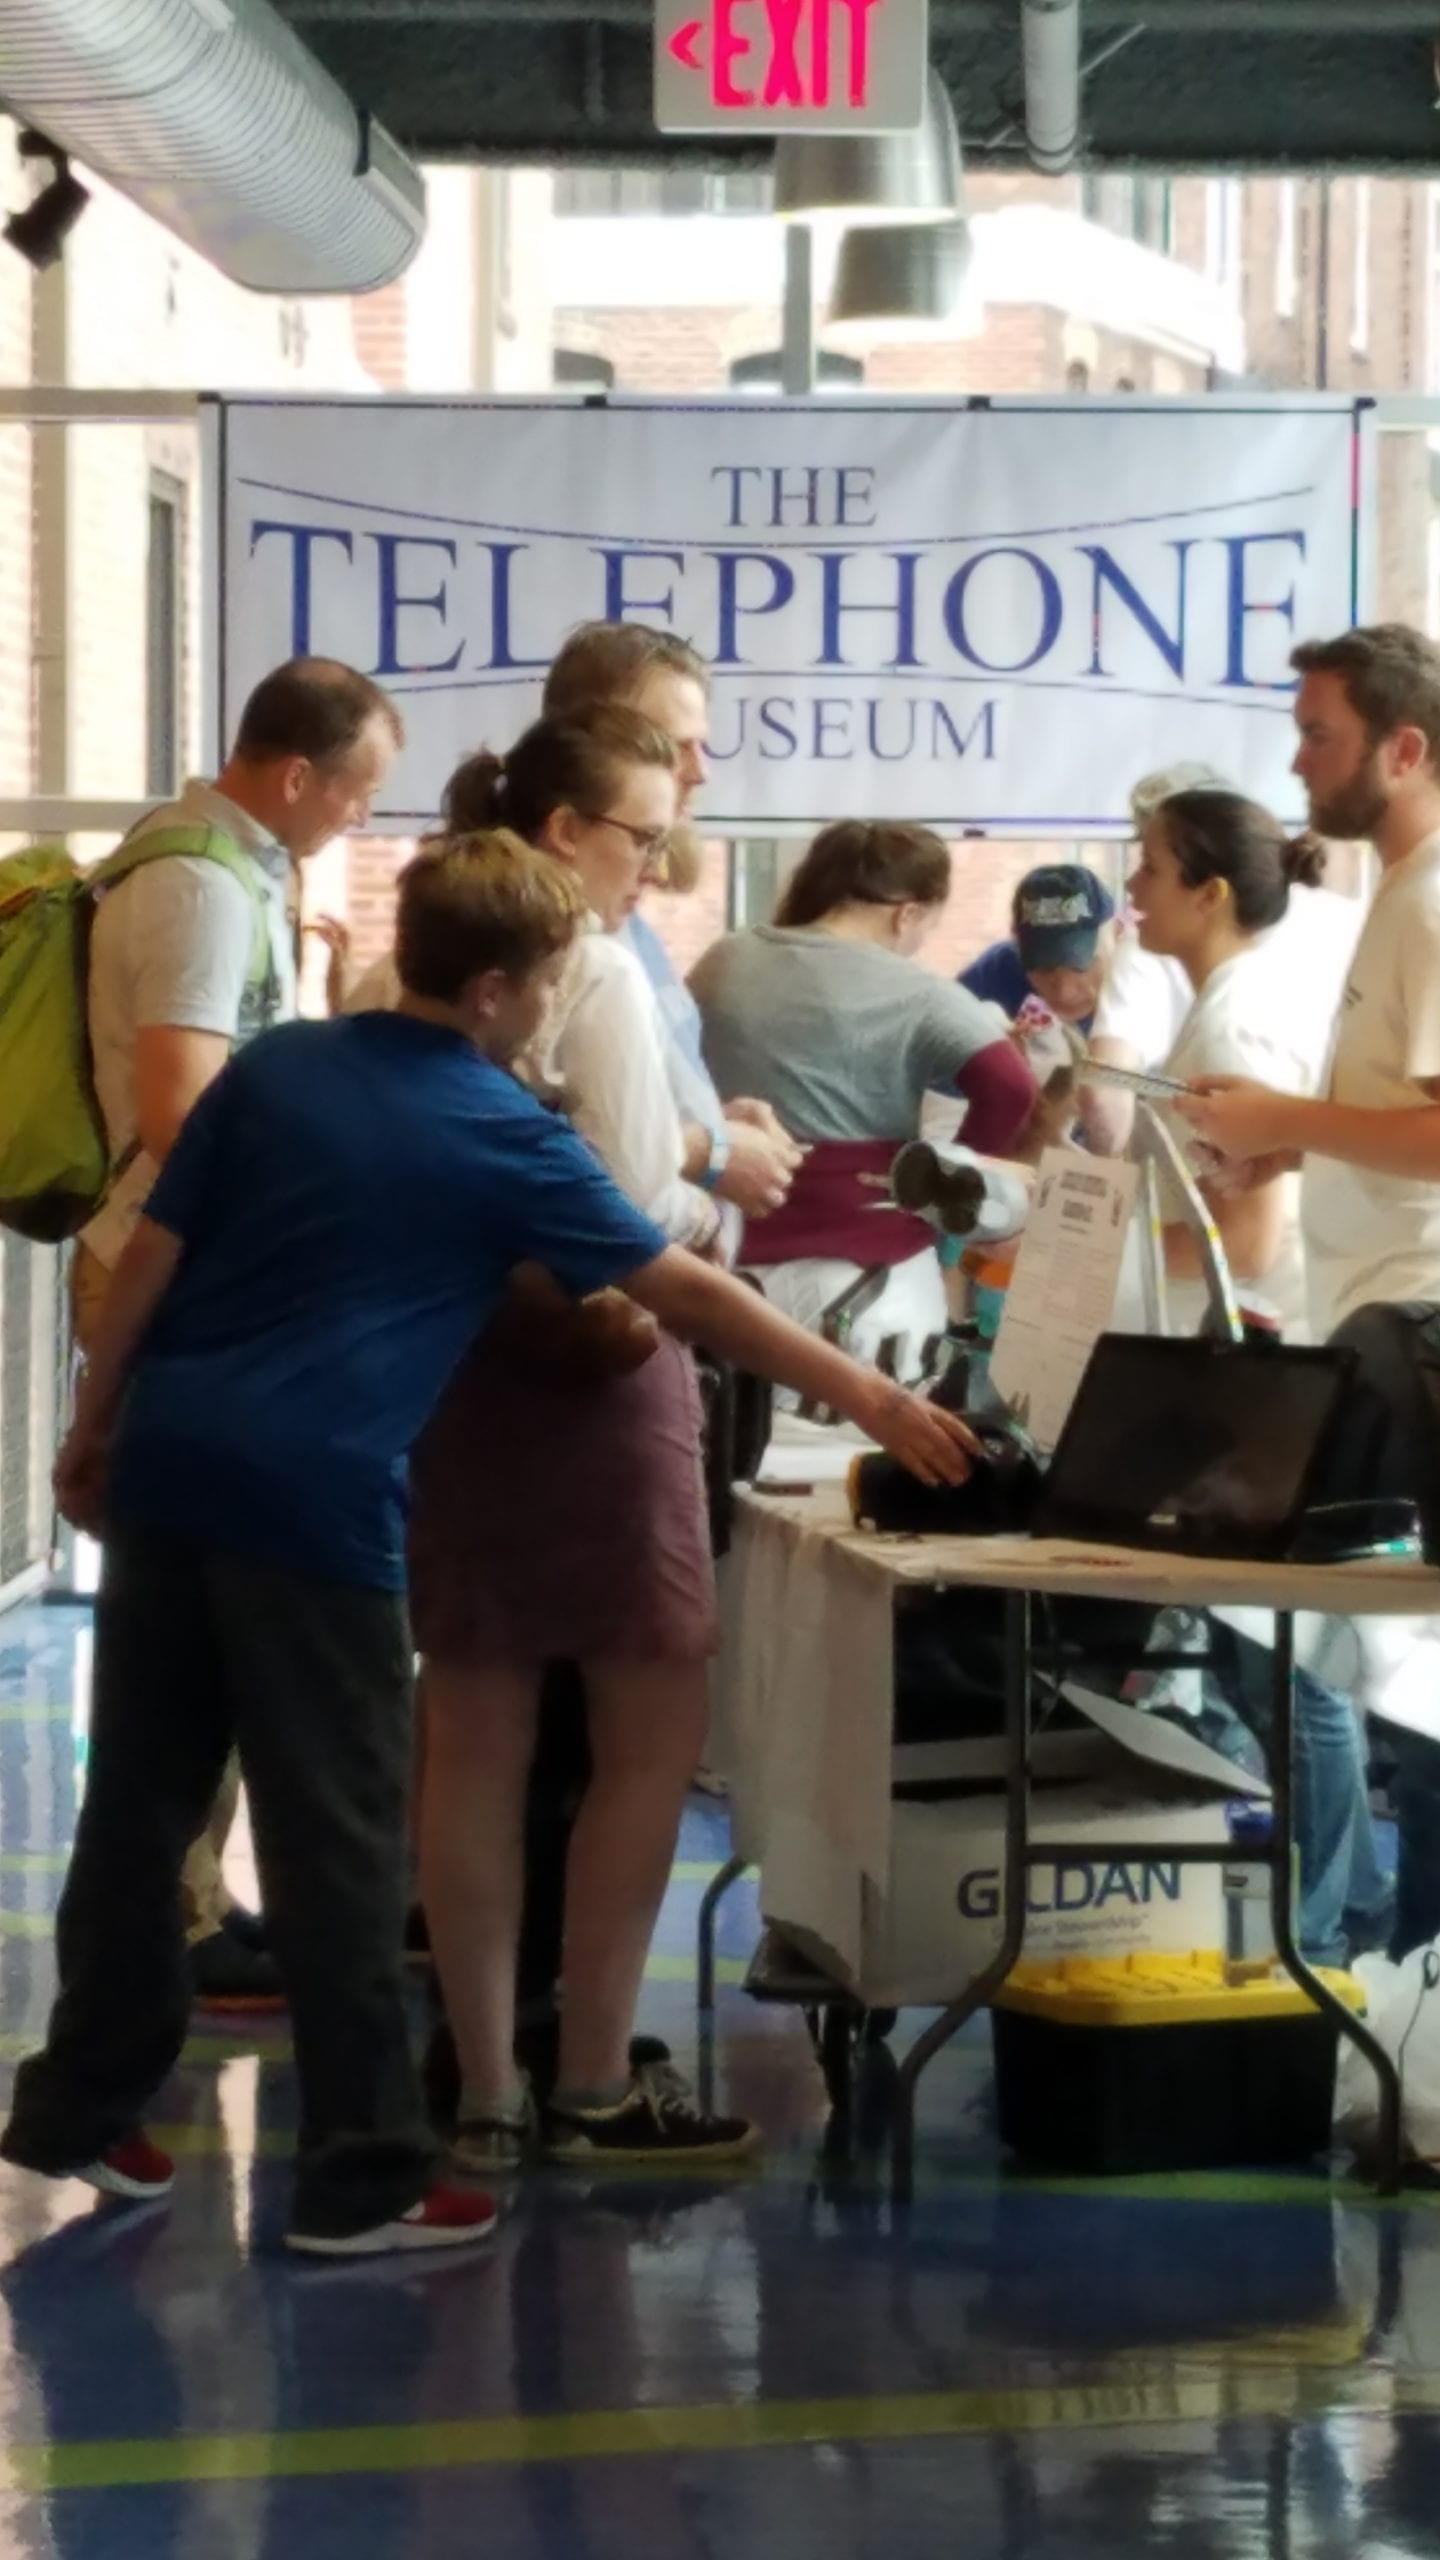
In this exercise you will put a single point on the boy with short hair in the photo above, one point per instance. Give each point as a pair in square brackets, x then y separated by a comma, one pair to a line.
[334, 1225]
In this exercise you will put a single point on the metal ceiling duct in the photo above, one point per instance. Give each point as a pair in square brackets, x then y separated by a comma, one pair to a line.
[216, 119]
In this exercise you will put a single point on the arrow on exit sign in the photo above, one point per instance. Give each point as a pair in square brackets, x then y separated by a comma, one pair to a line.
[778, 66]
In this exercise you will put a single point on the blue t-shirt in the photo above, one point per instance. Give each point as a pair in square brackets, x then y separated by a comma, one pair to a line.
[691, 1082]
[351, 1196]
[998, 978]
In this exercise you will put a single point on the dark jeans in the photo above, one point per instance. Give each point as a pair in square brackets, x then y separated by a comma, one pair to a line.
[1415, 1794]
[197, 1651]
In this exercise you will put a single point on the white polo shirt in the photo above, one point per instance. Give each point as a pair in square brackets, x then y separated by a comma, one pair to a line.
[1376, 1236]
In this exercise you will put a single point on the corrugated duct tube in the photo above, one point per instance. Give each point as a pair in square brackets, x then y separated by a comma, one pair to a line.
[216, 119]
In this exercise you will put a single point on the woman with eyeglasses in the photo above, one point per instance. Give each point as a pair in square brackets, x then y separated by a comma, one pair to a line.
[561, 1516]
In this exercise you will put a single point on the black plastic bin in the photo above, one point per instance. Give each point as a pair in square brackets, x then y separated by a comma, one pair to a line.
[1162, 2063]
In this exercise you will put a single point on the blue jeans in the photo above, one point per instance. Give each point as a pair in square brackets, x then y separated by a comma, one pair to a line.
[1339, 1872]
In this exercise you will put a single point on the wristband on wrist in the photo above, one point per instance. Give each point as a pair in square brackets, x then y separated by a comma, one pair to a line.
[719, 1158]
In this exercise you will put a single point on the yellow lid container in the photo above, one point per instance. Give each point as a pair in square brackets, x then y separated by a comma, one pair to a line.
[1162, 1991]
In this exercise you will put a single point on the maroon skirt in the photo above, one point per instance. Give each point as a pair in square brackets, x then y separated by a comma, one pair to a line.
[555, 1521]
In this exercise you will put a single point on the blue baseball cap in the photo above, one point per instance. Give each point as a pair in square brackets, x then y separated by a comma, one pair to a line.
[1058, 915]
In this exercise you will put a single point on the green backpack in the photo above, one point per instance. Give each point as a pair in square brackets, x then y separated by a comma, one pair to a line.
[55, 1166]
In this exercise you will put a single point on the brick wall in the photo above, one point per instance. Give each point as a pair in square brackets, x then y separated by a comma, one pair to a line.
[372, 865]
[1020, 349]
[382, 336]
[1375, 340]
[668, 350]
[16, 658]
[687, 926]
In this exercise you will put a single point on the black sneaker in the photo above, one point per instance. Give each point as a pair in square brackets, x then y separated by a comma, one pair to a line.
[225, 1975]
[655, 2122]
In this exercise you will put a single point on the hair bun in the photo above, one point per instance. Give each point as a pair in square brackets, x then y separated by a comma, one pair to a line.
[1304, 860]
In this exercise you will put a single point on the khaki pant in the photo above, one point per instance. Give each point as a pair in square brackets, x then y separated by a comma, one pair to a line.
[204, 1894]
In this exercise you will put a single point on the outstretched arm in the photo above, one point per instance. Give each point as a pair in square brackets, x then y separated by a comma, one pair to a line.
[706, 1305]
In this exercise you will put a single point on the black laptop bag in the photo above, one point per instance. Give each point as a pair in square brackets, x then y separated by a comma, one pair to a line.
[1386, 1441]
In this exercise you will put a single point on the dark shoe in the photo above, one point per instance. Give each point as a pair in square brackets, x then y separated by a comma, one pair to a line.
[225, 1975]
[135, 2168]
[247, 1928]
[654, 2123]
[448, 2218]
[537, 2054]
[652, 2053]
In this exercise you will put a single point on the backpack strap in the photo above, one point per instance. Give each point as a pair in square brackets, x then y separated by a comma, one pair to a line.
[201, 843]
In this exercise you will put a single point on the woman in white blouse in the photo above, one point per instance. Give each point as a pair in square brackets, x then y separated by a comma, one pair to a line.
[1214, 877]
[563, 1517]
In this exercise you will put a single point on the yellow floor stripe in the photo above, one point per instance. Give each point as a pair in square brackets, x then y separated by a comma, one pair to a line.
[1123, 2397]
[33, 1711]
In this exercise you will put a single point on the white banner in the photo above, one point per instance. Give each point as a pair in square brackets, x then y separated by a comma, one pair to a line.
[991, 618]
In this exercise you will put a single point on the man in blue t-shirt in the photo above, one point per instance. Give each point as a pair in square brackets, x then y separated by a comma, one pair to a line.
[335, 1224]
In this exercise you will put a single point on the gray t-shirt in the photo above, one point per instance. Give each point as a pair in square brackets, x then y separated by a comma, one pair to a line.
[842, 1039]
[171, 949]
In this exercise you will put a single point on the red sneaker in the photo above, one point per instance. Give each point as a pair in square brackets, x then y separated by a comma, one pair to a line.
[136, 2168]
[448, 2218]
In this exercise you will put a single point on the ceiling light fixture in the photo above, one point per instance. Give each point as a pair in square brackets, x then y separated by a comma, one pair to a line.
[909, 281]
[859, 178]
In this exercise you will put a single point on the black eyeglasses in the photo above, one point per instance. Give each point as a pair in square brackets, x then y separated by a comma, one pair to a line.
[653, 843]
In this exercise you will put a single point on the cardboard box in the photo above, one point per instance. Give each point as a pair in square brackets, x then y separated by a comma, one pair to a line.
[1126, 1775]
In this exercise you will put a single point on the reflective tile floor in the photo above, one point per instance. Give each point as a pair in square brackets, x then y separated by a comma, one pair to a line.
[773, 2365]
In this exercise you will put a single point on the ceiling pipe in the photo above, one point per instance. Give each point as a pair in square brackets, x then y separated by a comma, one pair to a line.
[1050, 38]
[215, 118]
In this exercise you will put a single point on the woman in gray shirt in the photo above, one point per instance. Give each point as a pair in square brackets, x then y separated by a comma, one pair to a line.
[827, 1015]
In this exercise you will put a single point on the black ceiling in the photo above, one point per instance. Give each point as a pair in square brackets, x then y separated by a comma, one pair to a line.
[1222, 84]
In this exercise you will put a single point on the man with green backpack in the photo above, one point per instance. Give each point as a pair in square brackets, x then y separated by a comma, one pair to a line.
[123, 990]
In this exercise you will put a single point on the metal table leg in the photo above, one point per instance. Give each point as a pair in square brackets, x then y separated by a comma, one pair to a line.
[1014, 1882]
[710, 1901]
[1282, 1907]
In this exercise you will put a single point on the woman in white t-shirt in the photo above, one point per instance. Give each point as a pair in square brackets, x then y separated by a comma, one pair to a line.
[1214, 878]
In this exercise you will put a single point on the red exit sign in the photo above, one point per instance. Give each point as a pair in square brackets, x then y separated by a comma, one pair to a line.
[789, 66]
